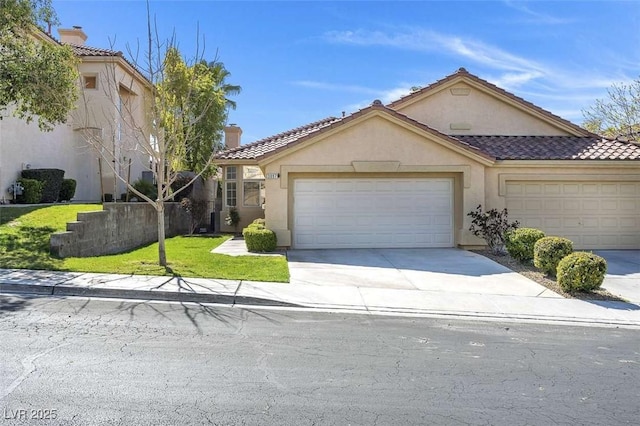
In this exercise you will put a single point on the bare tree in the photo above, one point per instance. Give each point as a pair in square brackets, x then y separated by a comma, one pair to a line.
[618, 115]
[153, 119]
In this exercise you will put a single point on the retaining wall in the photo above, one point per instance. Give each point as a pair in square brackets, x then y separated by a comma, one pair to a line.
[117, 228]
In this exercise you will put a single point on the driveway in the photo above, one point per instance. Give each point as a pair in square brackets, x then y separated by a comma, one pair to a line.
[449, 270]
[623, 273]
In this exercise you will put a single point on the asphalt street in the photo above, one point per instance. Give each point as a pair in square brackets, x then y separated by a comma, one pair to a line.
[79, 361]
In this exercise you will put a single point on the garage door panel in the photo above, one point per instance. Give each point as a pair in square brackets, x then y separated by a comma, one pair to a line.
[591, 214]
[629, 189]
[373, 213]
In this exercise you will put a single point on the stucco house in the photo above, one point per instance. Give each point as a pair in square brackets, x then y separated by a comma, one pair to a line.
[406, 174]
[113, 95]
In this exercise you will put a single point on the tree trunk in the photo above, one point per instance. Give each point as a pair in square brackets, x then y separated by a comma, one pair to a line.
[162, 252]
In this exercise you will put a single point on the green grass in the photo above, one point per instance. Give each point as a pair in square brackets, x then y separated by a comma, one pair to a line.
[24, 244]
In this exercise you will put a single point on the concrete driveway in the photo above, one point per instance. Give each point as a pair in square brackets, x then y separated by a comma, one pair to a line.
[623, 273]
[449, 270]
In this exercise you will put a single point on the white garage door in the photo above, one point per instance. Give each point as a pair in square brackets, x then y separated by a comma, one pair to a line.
[370, 213]
[604, 215]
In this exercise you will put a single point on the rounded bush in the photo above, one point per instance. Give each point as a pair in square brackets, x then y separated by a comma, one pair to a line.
[259, 239]
[520, 242]
[548, 251]
[581, 271]
[67, 190]
[51, 180]
[31, 191]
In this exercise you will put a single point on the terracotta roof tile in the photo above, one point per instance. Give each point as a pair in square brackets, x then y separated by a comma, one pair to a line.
[553, 147]
[271, 144]
[82, 51]
[92, 51]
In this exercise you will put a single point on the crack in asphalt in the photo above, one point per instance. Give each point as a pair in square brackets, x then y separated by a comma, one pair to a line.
[29, 366]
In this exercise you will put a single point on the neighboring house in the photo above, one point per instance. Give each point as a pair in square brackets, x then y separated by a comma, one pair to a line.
[114, 94]
[406, 174]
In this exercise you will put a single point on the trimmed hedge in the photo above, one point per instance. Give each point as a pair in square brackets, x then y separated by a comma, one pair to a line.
[549, 251]
[581, 271]
[520, 242]
[67, 190]
[258, 238]
[52, 180]
[31, 191]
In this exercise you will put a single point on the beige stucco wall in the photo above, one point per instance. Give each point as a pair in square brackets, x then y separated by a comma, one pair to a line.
[471, 111]
[114, 120]
[374, 145]
[22, 143]
[66, 148]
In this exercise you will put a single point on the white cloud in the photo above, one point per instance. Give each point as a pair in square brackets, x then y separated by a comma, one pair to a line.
[521, 69]
[536, 17]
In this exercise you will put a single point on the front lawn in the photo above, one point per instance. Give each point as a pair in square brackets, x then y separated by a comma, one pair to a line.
[188, 256]
[24, 244]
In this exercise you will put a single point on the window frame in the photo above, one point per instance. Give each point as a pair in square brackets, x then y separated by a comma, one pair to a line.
[231, 175]
[261, 193]
[84, 81]
[259, 181]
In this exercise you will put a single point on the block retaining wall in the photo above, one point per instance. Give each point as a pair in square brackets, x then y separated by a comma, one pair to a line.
[117, 228]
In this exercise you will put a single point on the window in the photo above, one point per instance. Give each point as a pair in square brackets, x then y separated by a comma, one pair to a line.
[231, 186]
[253, 194]
[253, 186]
[231, 172]
[90, 81]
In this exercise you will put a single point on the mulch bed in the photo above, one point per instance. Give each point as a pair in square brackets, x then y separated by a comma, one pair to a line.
[534, 274]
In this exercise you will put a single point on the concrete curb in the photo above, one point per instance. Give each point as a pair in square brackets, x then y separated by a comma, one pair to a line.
[240, 301]
[172, 296]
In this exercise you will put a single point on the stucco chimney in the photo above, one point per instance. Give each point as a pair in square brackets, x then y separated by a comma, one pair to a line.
[73, 35]
[232, 136]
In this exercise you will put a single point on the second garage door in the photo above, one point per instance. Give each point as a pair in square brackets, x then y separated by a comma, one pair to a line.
[373, 213]
[594, 215]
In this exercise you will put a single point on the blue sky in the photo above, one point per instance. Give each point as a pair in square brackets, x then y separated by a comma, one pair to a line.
[299, 62]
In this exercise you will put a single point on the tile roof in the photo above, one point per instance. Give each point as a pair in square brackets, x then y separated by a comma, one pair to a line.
[588, 147]
[553, 147]
[271, 144]
[462, 72]
[83, 50]
[92, 51]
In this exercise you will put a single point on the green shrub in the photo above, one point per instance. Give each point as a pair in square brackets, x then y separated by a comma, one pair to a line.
[52, 180]
[548, 251]
[67, 190]
[31, 191]
[581, 271]
[520, 242]
[259, 239]
[145, 187]
[233, 218]
[260, 221]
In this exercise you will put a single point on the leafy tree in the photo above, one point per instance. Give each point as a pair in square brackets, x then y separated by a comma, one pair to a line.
[618, 114]
[187, 108]
[38, 76]
[194, 108]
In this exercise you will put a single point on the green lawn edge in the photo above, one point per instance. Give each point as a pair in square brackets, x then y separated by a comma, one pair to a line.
[24, 244]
